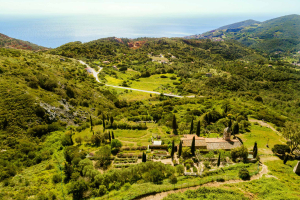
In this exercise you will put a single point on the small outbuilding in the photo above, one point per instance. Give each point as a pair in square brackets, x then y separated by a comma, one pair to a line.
[156, 143]
[208, 75]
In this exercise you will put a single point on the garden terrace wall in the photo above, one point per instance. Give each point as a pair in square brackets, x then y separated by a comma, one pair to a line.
[134, 148]
[158, 146]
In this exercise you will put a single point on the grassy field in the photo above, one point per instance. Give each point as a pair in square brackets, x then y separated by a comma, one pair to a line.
[280, 183]
[263, 136]
[183, 182]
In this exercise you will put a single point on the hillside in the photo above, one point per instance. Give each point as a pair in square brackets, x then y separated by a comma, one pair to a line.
[79, 139]
[274, 36]
[245, 23]
[8, 42]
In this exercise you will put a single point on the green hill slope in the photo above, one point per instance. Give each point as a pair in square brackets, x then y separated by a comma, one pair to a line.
[8, 42]
[273, 36]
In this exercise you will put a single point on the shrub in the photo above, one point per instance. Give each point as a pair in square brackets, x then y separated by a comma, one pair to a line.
[244, 174]
[258, 98]
[180, 169]
[56, 178]
[239, 152]
[206, 164]
[220, 179]
[188, 166]
[281, 149]
[195, 169]
[163, 76]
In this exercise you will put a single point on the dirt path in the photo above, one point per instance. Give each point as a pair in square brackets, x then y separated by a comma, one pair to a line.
[95, 74]
[162, 195]
[264, 124]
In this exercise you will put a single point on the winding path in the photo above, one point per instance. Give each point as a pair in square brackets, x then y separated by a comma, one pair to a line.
[162, 195]
[95, 74]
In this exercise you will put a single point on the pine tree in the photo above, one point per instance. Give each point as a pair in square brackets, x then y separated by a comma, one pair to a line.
[192, 127]
[180, 149]
[219, 160]
[112, 135]
[174, 125]
[172, 150]
[109, 137]
[226, 109]
[193, 147]
[198, 129]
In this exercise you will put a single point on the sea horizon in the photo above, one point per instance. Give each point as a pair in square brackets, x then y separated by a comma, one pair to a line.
[54, 31]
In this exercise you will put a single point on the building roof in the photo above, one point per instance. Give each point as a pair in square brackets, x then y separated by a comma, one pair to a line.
[199, 141]
[219, 143]
[156, 142]
[210, 143]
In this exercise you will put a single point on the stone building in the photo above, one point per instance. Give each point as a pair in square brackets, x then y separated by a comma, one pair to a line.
[225, 143]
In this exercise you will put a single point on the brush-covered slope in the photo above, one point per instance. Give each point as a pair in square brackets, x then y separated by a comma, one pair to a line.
[41, 94]
[8, 42]
[277, 35]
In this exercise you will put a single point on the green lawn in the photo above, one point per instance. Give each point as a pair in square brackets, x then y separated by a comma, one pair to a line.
[261, 135]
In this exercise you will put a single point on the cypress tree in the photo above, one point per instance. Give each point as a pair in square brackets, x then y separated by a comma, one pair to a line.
[286, 158]
[255, 150]
[193, 147]
[198, 129]
[235, 129]
[172, 150]
[192, 127]
[91, 123]
[230, 124]
[144, 158]
[111, 120]
[109, 137]
[219, 160]
[103, 122]
[180, 149]
[112, 135]
[174, 125]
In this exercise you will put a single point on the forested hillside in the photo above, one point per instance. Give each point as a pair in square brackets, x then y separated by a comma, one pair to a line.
[8, 42]
[274, 36]
[79, 139]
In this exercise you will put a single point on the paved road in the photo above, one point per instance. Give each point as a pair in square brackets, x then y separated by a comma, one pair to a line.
[95, 74]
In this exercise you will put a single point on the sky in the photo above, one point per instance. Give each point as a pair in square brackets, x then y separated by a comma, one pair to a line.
[135, 8]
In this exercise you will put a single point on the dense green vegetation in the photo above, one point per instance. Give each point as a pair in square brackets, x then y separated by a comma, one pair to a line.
[81, 139]
[272, 36]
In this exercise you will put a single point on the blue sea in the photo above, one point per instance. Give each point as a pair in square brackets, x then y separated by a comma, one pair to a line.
[54, 31]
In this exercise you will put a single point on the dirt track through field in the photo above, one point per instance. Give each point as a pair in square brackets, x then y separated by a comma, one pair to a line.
[95, 74]
[162, 195]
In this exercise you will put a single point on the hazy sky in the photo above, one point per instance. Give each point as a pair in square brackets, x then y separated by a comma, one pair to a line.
[149, 7]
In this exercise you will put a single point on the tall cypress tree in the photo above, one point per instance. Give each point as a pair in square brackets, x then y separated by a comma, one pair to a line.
[111, 120]
[286, 158]
[109, 137]
[219, 160]
[172, 150]
[103, 122]
[193, 147]
[198, 129]
[174, 125]
[235, 129]
[144, 158]
[91, 123]
[180, 149]
[112, 135]
[230, 124]
[192, 127]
